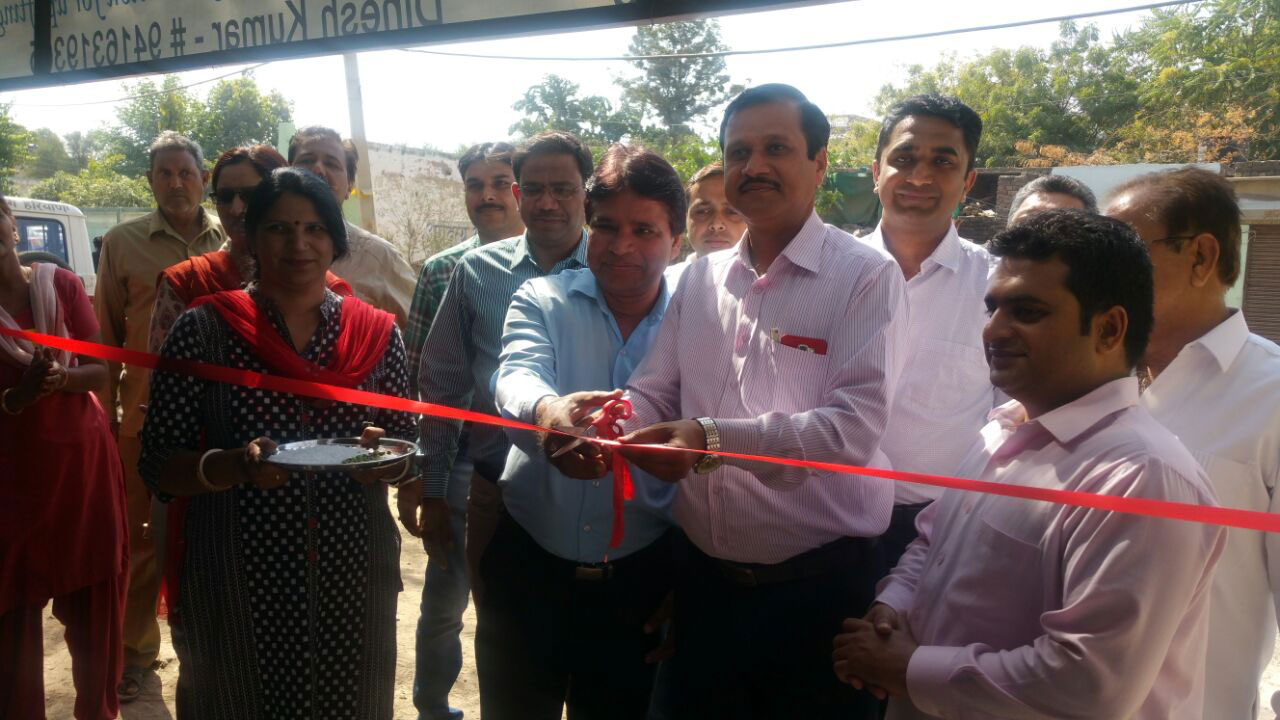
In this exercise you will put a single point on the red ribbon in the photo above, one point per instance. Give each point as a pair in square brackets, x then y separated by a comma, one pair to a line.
[1225, 517]
[607, 428]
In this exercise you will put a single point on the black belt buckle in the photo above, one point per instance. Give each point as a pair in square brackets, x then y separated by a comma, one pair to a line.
[593, 573]
[738, 574]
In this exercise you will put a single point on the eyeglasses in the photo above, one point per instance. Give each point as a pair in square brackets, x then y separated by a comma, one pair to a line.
[559, 191]
[226, 195]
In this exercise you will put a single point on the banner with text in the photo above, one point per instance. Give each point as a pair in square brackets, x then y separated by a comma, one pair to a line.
[91, 39]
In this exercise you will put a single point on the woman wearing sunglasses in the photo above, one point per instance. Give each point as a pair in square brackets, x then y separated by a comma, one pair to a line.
[236, 173]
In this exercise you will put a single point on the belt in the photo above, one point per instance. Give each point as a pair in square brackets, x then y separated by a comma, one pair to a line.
[655, 554]
[834, 555]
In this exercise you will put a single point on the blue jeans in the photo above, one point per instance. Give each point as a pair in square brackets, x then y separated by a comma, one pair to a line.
[444, 598]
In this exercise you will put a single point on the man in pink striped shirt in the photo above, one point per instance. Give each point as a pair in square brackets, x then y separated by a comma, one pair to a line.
[1011, 608]
[788, 344]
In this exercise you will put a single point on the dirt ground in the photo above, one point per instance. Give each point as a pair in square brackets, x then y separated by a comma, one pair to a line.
[156, 702]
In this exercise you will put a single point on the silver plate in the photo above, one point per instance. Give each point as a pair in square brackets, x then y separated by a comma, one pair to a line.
[328, 454]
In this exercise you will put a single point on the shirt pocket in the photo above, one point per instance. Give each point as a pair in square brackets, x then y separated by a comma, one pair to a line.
[799, 378]
[1237, 485]
[946, 377]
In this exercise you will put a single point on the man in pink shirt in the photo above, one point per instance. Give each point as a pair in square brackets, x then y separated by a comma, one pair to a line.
[1013, 608]
[788, 346]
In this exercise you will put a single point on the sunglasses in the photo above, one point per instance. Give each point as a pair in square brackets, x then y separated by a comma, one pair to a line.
[226, 195]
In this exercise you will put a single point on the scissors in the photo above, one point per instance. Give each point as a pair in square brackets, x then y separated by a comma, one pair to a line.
[584, 429]
[602, 424]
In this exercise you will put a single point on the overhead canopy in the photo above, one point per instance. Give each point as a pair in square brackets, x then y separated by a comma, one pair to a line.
[58, 42]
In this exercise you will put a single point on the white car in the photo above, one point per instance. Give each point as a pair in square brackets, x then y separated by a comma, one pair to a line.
[55, 232]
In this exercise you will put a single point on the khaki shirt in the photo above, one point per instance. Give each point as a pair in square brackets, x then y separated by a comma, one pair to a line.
[377, 273]
[133, 255]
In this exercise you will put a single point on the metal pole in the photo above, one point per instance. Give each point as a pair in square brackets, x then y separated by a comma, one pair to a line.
[364, 178]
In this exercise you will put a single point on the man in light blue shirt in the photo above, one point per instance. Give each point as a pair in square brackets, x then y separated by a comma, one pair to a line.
[563, 617]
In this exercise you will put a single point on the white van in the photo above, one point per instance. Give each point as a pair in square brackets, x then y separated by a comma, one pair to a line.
[55, 232]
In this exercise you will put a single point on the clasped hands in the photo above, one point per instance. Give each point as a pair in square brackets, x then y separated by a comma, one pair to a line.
[44, 376]
[873, 653]
[590, 460]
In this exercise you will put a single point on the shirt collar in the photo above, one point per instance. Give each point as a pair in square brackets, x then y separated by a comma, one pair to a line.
[947, 254]
[159, 223]
[1070, 421]
[1225, 340]
[583, 282]
[521, 253]
[804, 250]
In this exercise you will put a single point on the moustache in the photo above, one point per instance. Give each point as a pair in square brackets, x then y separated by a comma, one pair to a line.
[488, 206]
[748, 184]
[552, 216]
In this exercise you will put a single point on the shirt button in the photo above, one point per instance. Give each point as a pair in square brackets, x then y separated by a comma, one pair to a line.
[586, 528]
[595, 483]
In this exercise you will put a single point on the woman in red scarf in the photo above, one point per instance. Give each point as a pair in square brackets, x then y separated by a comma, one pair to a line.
[287, 586]
[63, 534]
[236, 173]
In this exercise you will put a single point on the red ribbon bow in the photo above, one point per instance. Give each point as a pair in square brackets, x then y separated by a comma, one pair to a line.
[607, 428]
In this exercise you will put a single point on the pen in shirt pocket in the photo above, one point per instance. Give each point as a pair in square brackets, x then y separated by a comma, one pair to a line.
[817, 346]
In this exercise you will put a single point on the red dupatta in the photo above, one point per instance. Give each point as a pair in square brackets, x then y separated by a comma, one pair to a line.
[363, 333]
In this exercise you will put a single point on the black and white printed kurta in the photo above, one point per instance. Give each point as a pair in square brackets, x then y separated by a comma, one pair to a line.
[287, 596]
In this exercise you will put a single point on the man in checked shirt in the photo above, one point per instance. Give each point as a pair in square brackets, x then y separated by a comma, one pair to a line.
[790, 346]
[487, 178]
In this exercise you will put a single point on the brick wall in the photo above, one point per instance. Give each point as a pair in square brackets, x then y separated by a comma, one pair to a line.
[1009, 185]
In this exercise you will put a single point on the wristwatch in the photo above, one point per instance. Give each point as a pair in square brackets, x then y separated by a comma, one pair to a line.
[707, 463]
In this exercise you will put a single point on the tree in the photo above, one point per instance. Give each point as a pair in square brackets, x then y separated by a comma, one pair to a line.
[234, 113]
[555, 105]
[98, 185]
[13, 149]
[1188, 84]
[237, 113]
[1215, 58]
[1075, 94]
[151, 110]
[49, 156]
[83, 147]
[677, 91]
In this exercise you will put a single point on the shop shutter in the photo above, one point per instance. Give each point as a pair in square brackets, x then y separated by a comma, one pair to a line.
[1262, 281]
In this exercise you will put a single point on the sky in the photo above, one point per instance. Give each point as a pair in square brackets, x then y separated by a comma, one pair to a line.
[416, 99]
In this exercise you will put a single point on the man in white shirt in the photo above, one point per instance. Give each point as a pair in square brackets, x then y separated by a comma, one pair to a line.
[1006, 607]
[1217, 387]
[374, 269]
[923, 168]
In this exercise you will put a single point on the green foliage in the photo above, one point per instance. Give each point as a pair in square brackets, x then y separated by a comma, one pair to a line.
[687, 153]
[49, 155]
[83, 147]
[677, 91]
[13, 148]
[1194, 83]
[234, 113]
[151, 111]
[555, 105]
[237, 113]
[98, 185]
[659, 107]
[1208, 59]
